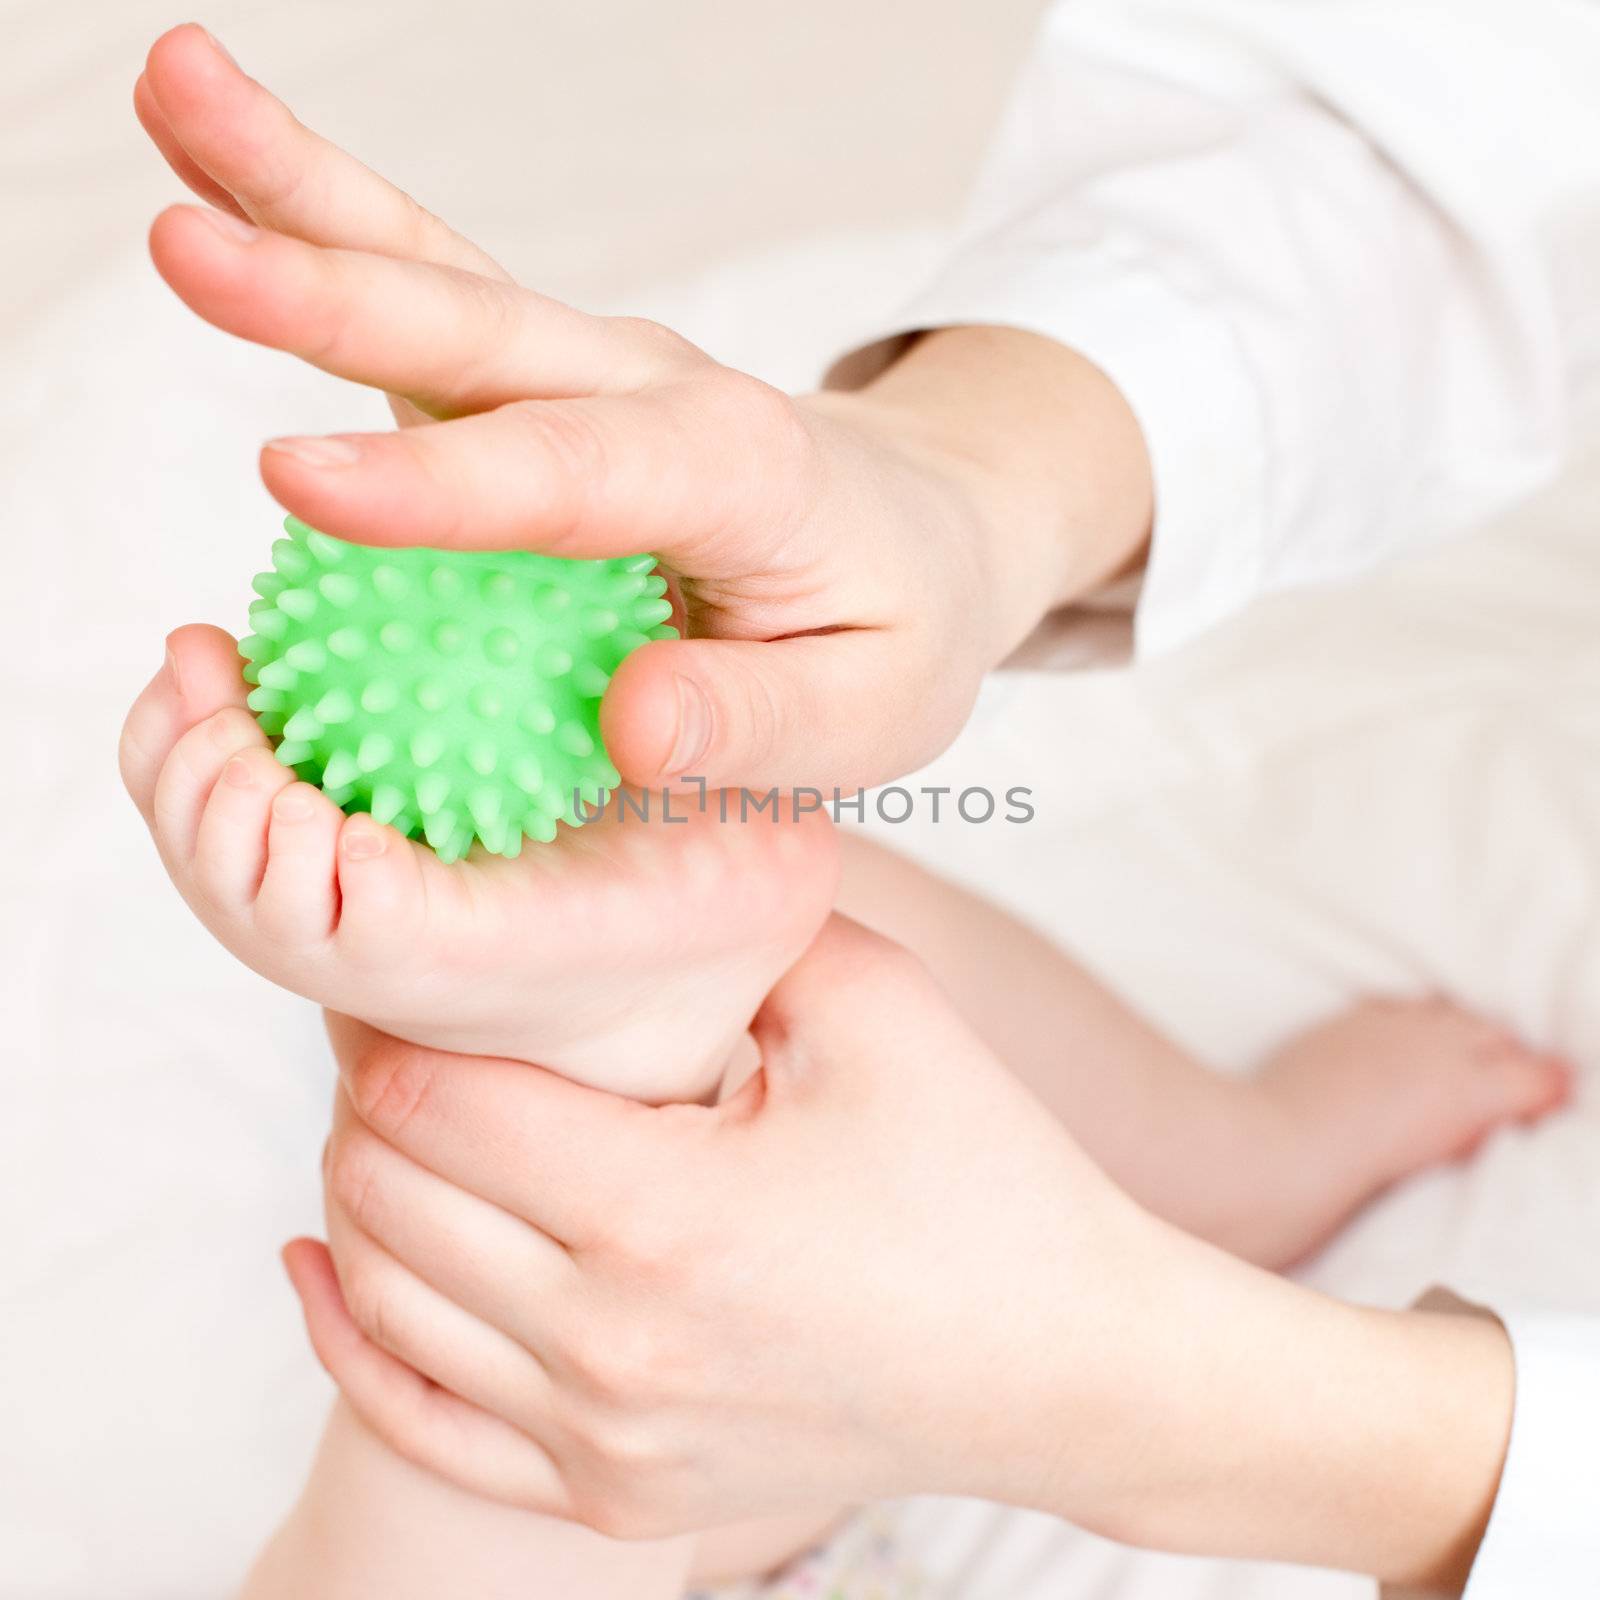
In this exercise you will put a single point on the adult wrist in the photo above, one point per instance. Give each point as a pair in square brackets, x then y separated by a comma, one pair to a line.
[1041, 444]
[1254, 1418]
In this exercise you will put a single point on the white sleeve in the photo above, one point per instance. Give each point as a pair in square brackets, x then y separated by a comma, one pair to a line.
[1544, 1532]
[1341, 256]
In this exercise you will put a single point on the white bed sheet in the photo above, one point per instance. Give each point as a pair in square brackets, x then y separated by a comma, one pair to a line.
[1393, 787]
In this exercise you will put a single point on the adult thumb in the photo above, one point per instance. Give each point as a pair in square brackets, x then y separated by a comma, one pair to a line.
[818, 710]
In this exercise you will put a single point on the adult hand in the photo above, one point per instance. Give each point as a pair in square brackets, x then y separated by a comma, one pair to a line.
[880, 1268]
[849, 565]
[713, 1311]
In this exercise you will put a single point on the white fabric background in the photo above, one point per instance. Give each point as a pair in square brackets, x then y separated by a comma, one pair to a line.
[1390, 787]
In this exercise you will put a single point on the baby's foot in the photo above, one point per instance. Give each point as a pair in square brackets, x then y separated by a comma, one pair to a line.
[629, 955]
[1377, 1094]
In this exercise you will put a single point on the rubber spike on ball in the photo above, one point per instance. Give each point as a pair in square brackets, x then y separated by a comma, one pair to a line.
[467, 682]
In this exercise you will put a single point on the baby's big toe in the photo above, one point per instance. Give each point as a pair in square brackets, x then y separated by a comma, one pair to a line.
[199, 676]
[148, 734]
[1516, 1084]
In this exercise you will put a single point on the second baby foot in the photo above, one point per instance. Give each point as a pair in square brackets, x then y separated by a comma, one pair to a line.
[1376, 1094]
[629, 955]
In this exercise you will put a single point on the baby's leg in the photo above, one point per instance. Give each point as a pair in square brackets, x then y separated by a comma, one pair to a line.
[1267, 1166]
[370, 1524]
[281, 891]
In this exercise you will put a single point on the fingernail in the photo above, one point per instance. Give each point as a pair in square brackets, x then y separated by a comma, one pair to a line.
[174, 677]
[317, 452]
[237, 773]
[217, 45]
[694, 728]
[234, 229]
[292, 804]
[361, 841]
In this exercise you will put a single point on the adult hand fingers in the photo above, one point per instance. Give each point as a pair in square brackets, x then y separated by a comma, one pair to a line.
[236, 141]
[847, 708]
[154, 122]
[565, 1158]
[418, 1420]
[447, 1345]
[493, 1265]
[450, 340]
[689, 469]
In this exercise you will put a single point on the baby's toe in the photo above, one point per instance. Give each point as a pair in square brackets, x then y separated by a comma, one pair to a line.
[199, 676]
[230, 854]
[297, 903]
[189, 774]
[149, 732]
[381, 891]
[1517, 1084]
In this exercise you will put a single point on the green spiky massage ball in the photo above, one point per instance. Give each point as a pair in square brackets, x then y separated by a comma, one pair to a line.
[453, 694]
